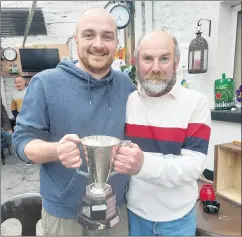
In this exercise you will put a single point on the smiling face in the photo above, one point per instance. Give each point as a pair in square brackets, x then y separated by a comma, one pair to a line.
[157, 63]
[19, 83]
[96, 41]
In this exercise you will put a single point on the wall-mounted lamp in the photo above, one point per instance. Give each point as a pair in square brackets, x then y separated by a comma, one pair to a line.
[198, 52]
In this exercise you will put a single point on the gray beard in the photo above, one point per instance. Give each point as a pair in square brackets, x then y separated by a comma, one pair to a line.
[157, 88]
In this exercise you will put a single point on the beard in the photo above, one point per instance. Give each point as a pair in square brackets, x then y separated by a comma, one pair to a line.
[157, 84]
[94, 63]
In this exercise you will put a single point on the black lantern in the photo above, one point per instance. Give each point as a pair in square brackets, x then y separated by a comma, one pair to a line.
[198, 52]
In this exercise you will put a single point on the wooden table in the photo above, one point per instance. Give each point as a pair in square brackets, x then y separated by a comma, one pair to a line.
[226, 222]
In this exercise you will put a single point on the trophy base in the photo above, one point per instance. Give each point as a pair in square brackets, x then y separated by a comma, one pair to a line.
[98, 224]
[99, 213]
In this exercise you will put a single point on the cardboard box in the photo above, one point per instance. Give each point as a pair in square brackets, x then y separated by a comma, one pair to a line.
[227, 172]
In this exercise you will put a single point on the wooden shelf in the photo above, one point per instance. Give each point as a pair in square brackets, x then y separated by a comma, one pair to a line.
[230, 146]
[232, 194]
[227, 172]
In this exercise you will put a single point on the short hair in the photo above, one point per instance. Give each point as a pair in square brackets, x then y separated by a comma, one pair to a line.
[176, 46]
[19, 77]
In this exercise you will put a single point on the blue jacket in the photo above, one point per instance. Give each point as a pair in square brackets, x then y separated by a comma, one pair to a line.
[66, 100]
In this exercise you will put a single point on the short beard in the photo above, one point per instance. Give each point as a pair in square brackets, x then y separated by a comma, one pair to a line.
[157, 84]
[158, 89]
[95, 70]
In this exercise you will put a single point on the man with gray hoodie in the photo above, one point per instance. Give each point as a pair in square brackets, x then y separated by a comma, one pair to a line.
[74, 100]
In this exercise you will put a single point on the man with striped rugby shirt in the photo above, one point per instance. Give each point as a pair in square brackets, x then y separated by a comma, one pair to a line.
[171, 127]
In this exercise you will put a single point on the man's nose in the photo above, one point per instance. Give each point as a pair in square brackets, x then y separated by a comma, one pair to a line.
[156, 67]
[98, 42]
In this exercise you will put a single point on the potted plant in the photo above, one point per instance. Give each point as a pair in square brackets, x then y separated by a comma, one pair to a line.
[130, 70]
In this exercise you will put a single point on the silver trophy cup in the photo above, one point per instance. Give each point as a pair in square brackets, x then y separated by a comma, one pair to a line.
[99, 210]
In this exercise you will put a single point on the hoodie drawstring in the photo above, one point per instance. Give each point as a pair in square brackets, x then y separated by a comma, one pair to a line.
[109, 103]
[89, 91]
[108, 92]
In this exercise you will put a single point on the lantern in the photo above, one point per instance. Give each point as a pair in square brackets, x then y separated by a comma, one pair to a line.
[198, 53]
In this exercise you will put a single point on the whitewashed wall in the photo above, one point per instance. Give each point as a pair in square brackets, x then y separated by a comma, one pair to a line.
[60, 18]
[180, 18]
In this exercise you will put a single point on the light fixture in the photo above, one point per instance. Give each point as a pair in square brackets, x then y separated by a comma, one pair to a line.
[198, 52]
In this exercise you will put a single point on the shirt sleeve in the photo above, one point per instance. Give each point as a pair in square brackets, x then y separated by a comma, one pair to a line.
[33, 120]
[177, 170]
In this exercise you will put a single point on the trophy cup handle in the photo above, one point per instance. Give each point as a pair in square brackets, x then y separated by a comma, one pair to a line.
[86, 175]
[113, 173]
[122, 143]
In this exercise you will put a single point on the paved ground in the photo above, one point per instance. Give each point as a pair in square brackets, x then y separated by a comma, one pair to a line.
[16, 178]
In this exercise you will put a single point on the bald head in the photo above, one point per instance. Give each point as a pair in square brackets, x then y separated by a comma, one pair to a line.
[98, 15]
[158, 37]
[96, 40]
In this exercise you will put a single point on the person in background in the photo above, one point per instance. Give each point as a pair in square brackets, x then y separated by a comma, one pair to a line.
[17, 98]
[6, 130]
[73, 100]
[171, 127]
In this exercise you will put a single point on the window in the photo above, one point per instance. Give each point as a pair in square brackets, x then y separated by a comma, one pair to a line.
[237, 60]
[14, 22]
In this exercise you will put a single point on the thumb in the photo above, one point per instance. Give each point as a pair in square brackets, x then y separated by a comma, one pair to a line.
[133, 145]
[70, 138]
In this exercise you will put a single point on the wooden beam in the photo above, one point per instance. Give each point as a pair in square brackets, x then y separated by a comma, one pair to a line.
[29, 21]
[129, 36]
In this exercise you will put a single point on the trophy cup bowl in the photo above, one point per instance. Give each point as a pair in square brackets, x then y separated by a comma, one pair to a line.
[99, 210]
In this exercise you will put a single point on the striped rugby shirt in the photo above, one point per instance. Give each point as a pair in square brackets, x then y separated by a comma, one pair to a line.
[173, 131]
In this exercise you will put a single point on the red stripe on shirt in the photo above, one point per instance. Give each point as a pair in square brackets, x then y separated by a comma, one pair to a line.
[199, 130]
[168, 134]
[156, 133]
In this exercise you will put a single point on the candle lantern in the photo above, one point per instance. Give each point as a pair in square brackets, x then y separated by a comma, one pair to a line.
[198, 52]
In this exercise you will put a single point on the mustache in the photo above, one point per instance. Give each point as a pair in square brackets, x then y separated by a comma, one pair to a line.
[156, 76]
[97, 51]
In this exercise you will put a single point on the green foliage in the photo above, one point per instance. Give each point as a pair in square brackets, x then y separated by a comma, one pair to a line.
[131, 71]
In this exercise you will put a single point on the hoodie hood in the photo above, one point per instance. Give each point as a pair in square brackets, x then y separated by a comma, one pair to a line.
[70, 67]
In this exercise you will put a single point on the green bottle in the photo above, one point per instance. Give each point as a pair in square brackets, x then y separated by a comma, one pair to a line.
[224, 93]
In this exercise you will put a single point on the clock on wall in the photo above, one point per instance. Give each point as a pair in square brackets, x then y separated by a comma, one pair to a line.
[121, 15]
[9, 54]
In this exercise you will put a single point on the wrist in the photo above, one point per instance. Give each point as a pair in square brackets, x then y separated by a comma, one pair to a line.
[40, 151]
[141, 163]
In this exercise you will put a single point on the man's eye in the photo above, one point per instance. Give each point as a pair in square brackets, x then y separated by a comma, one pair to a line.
[109, 37]
[164, 59]
[148, 58]
[88, 36]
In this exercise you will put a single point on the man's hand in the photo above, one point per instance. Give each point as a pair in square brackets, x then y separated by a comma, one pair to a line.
[68, 151]
[129, 160]
[10, 131]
